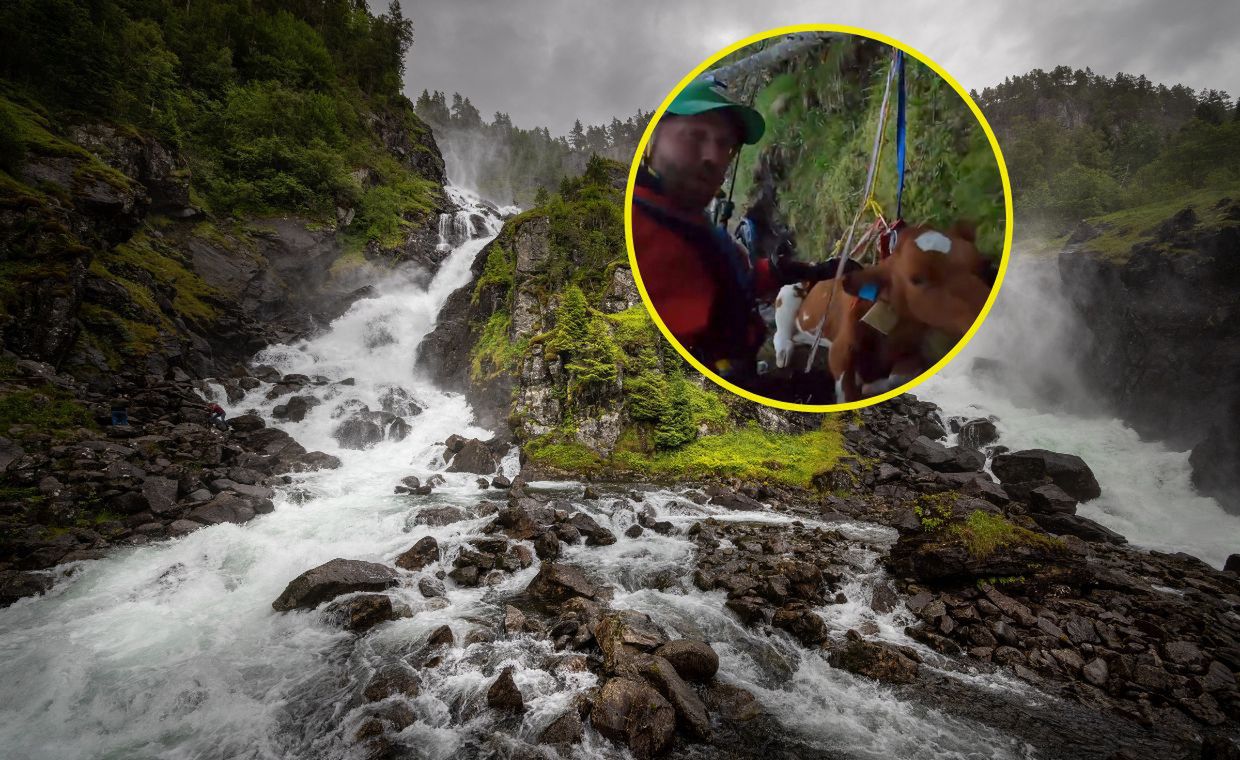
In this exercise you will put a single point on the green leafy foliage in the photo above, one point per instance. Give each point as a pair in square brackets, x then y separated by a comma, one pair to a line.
[822, 116]
[271, 103]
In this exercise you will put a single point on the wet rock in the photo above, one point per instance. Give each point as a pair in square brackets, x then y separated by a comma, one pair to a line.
[633, 531]
[596, 535]
[693, 660]
[499, 481]
[803, 623]
[877, 660]
[398, 430]
[1232, 565]
[514, 620]
[16, 584]
[331, 579]
[977, 433]
[421, 554]
[690, 711]
[634, 714]
[440, 637]
[547, 546]
[296, 408]
[439, 516]
[246, 423]
[390, 680]
[1051, 499]
[620, 632]
[731, 703]
[432, 588]
[475, 457]
[557, 582]
[1067, 471]
[363, 612]
[318, 460]
[357, 433]
[229, 507]
[1081, 527]
[566, 729]
[730, 499]
[504, 694]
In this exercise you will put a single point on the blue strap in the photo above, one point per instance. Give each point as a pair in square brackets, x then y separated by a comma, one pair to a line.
[900, 130]
[869, 291]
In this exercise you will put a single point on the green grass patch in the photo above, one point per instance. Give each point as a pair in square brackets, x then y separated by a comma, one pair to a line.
[747, 453]
[983, 534]
[45, 409]
[1121, 230]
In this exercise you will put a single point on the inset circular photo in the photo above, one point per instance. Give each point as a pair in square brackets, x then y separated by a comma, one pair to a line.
[818, 218]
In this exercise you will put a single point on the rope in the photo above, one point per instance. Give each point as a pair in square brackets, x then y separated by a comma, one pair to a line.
[868, 199]
[901, 127]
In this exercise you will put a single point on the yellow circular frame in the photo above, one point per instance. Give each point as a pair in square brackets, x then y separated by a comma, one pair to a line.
[1007, 203]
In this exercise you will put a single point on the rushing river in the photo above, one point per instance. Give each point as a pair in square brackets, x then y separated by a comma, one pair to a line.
[1028, 380]
[172, 650]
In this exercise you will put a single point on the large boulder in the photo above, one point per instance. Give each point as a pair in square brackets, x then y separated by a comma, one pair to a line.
[330, 580]
[474, 457]
[357, 433]
[693, 660]
[1067, 471]
[362, 612]
[1075, 525]
[558, 583]
[421, 554]
[877, 660]
[634, 714]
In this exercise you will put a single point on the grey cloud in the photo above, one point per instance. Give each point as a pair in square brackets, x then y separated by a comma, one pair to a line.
[546, 63]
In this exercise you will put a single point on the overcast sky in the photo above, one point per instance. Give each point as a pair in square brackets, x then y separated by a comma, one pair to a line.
[547, 62]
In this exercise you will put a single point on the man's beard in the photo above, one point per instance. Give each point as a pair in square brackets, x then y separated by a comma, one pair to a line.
[691, 188]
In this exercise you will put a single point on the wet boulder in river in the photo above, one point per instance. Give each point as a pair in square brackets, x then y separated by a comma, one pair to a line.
[475, 457]
[1067, 471]
[330, 580]
[357, 433]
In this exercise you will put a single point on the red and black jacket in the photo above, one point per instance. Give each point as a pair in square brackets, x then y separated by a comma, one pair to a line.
[702, 284]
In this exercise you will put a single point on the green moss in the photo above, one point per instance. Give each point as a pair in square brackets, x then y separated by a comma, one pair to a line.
[984, 533]
[494, 353]
[569, 457]
[498, 271]
[45, 409]
[748, 453]
[1122, 230]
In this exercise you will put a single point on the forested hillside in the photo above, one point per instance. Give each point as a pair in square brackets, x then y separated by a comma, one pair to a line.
[1079, 144]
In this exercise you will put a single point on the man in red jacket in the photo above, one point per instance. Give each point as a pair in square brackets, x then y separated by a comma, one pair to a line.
[702, 284]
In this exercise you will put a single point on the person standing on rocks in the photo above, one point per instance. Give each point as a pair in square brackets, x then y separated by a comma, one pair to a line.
[120, 411]
[703, 284]
[217, 416]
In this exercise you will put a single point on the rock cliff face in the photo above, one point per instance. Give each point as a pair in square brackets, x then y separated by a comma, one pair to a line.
[551, 342]
[109, 266]
[1167, 327]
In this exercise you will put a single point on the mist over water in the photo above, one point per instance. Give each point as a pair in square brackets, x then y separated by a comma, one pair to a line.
[1022, 368]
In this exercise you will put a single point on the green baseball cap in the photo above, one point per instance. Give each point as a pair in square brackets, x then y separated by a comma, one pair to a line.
[704, 95]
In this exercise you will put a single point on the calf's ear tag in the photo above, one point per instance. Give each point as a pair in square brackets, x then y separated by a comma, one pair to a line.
[869, 291]
[881, 317]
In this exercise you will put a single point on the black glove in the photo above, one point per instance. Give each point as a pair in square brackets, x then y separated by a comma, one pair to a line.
[791, 270]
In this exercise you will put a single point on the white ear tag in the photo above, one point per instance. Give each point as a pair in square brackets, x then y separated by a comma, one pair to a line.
[934, 241]
[881, 317]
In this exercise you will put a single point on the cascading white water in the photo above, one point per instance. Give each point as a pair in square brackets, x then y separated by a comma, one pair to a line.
[1040, 402]
[172, 650]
